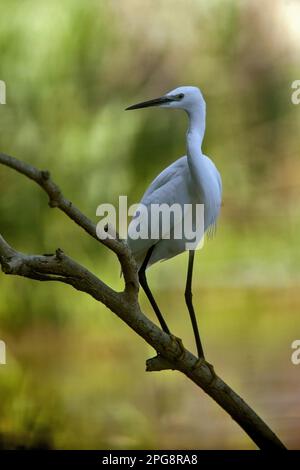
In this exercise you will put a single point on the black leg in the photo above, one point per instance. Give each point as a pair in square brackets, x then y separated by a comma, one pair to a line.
[144, 284]
[188, 299]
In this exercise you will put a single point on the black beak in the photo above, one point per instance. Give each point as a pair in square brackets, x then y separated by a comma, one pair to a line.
[147, 104]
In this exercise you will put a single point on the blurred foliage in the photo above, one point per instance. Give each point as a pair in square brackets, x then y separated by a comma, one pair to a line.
[71, 68]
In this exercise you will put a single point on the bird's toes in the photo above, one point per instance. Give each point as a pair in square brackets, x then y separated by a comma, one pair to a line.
[212, 371]
[200, 362]
[179, 343]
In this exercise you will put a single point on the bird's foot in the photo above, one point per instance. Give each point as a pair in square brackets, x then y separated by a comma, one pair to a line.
[181, 347]
[200, 362]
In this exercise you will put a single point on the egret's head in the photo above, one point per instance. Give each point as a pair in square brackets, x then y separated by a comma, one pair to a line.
[188, 98]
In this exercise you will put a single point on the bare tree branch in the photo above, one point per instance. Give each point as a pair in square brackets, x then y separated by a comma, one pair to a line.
[57, 199]
[171, 353]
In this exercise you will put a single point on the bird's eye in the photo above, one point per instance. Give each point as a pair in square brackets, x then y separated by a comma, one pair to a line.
[180, 96]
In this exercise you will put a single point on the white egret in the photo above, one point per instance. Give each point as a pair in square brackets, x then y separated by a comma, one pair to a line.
[192, 179]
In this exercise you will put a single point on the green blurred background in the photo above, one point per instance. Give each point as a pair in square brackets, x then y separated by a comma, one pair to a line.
[75, 373]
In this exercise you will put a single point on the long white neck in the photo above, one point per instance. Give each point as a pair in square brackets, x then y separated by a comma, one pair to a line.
[195, 133]
[194, 140]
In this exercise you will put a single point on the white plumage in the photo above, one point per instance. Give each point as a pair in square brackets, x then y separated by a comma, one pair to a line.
[192, 179]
